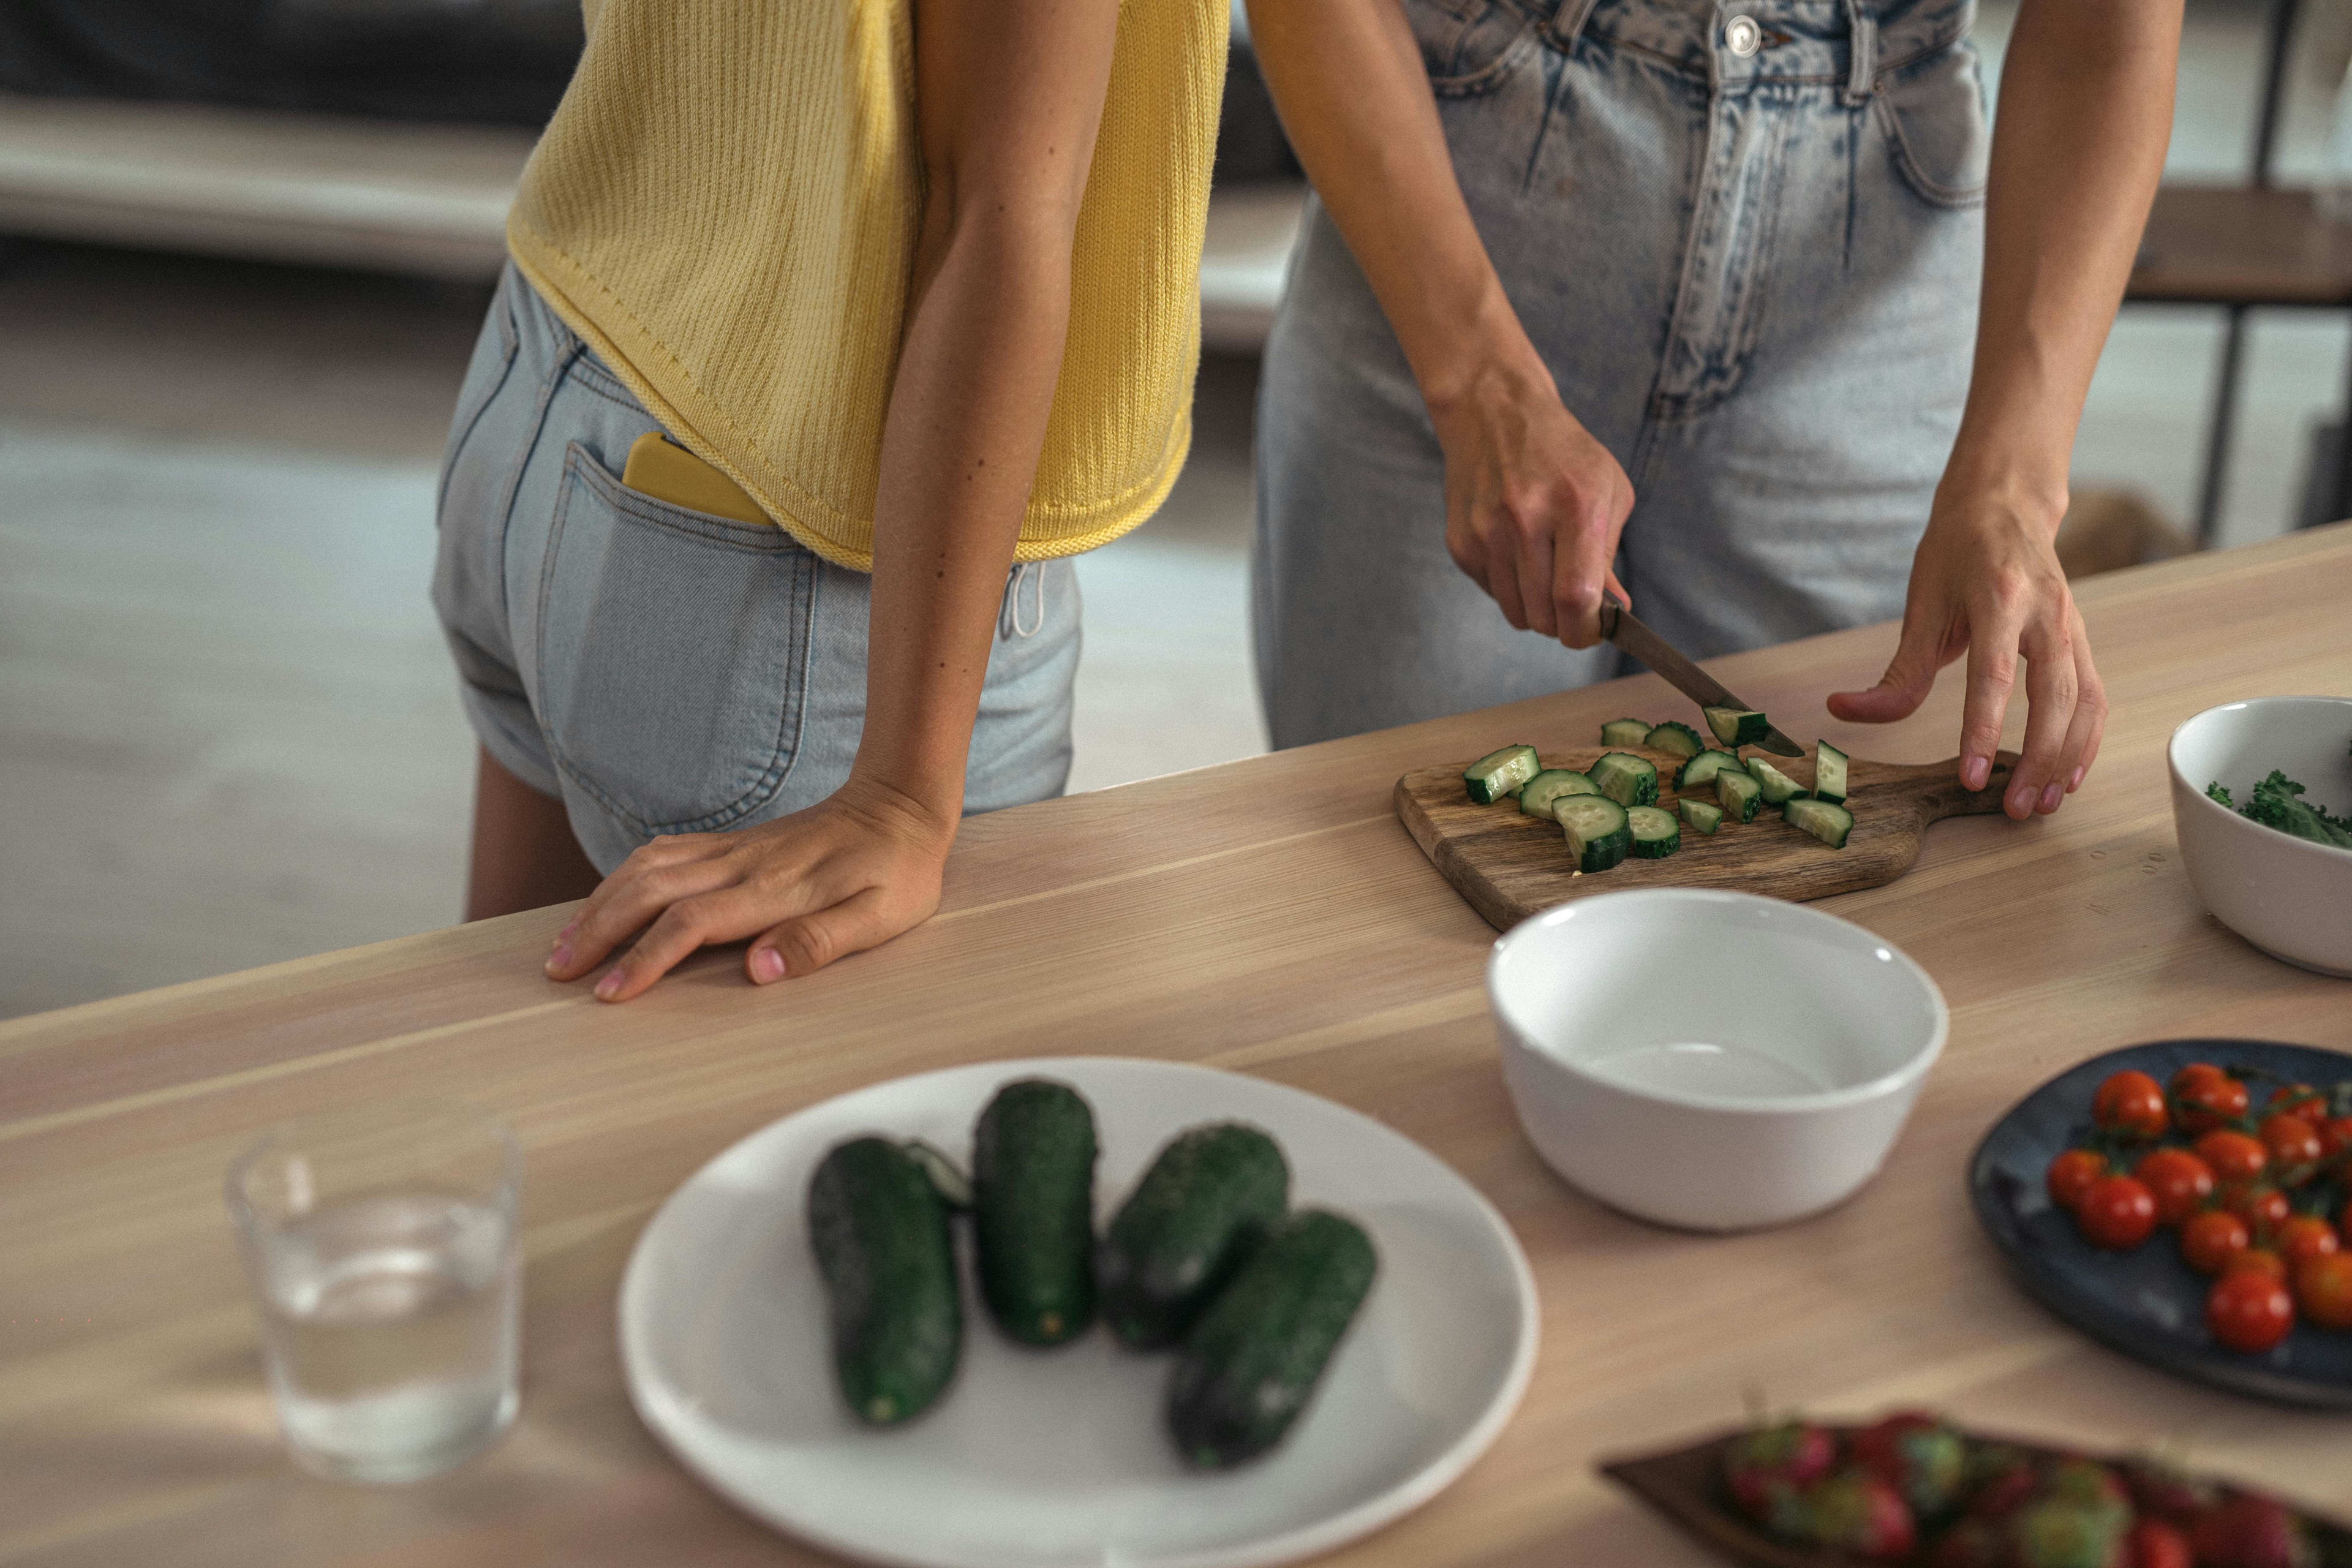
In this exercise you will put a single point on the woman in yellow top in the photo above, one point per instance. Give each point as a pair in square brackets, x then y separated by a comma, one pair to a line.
[831, 331]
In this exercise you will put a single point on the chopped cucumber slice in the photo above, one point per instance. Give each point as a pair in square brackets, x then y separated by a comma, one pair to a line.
[1538, 794]
[1703, 817]
[1674, 740]
[1739, 795]
[1598, 835]
[1779, 788]
[1828, 823]
[1656, 833]
[1498, 773]
[1701, 770]
[1736, 727]
[1828, 773]
[1626, 779]
[1625, 733]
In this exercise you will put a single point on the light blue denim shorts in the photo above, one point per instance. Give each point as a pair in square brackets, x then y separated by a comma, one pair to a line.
[662, 670]
[1745, 236]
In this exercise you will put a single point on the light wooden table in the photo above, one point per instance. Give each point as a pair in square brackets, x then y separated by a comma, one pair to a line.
[1270, 916]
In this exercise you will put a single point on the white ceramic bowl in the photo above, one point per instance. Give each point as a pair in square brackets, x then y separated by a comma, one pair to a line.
[2288, 895]
[1707, 1060]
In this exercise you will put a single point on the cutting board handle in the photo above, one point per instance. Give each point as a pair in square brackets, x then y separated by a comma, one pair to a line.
[1943, 797]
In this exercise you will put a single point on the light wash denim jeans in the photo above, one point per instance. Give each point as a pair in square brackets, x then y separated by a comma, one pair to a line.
[663, 670]
[1746, 237]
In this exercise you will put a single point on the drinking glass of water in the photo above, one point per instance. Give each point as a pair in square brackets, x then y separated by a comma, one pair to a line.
[381, 1245]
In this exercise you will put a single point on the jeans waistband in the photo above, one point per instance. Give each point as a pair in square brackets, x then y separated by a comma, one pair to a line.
[1844, 42]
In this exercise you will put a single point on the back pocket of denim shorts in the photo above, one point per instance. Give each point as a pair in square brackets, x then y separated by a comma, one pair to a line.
[672, 654]
[1934, 114]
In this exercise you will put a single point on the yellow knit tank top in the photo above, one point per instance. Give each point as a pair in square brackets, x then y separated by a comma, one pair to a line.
[725, 207]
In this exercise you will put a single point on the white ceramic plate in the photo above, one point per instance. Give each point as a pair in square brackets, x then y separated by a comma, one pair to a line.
[1039, 1459]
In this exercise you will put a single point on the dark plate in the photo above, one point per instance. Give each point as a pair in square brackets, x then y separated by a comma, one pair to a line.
[2146, 1303]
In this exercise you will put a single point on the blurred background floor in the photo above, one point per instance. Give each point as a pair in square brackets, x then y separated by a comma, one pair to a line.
[228, 732]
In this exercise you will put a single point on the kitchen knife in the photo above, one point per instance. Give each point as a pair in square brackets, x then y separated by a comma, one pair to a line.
[1619, 626]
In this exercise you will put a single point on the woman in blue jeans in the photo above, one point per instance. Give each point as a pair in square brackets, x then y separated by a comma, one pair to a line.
[1679, 298]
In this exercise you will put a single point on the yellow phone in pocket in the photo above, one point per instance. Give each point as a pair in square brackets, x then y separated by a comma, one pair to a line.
[661, 468]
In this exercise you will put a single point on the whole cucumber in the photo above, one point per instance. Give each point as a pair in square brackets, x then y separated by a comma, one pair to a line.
[1213, 1194]
[880, 1233]
[1253, 1358]
[1033, 1198]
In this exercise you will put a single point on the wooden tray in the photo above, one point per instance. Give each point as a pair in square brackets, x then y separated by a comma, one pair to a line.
[1508, 864]
[1687, 1486]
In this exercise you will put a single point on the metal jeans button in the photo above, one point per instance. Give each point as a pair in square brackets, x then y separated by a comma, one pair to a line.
[1743, 35]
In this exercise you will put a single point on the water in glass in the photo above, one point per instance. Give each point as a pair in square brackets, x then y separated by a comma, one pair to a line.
[390, 1326]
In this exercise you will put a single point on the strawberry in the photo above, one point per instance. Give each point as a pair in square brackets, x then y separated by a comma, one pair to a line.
[2159, 1543]
[1918, 1455]
[2246, 1531]
[2061, 1532]
[1767, 1468]
[2090, 1484]
[2000, 1480]
[1855, 1512]
[1972, 1543]
[2163, 1492]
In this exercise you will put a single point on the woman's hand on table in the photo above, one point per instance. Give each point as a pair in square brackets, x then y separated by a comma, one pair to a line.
[849, 873]
[1533, 503]
[1986, 581]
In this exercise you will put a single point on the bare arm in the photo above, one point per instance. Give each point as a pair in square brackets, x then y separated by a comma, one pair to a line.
[1534, 504]
[2078, 147]
[1004, 175]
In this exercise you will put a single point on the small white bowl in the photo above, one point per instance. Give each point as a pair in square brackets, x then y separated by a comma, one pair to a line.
[2288, 895]
[1712, 1060]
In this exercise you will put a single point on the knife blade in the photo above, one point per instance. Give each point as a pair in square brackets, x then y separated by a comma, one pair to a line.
[1620, 626]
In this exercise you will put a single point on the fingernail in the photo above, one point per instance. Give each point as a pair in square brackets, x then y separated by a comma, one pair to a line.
[610, 987]
[562, 957]
[569, 927]
[2020, 800]
[2052, 795]
[767, 964]
[2075, 783]
[1975, 772]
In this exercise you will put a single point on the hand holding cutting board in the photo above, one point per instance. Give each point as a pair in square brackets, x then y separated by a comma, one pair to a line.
[1987, 581]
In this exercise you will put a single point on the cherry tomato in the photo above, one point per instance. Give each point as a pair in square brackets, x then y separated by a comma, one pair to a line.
[2179, 1180]
[2264, 1209]
[2259, 1260]
[2204, 1097]
[2335, 1136]
[2208, 1240]
[2071, 1176]
[2290, 1141]
[2133, 1104]
[2305, 1236]
[2158, 1544]
[2323, 1288]
[2232, 1157]
[2249, 1311]
[2296, 1099]
[2118, 1213]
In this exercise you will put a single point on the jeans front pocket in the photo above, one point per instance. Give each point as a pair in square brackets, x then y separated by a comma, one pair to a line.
[1470, 46]
[1932, 112]
[672, 653]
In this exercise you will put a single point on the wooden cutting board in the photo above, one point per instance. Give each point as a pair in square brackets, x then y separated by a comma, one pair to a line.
[1509, 864]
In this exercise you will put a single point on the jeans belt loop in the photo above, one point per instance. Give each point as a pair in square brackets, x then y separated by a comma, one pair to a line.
[1567, 24]
[1862, 53]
